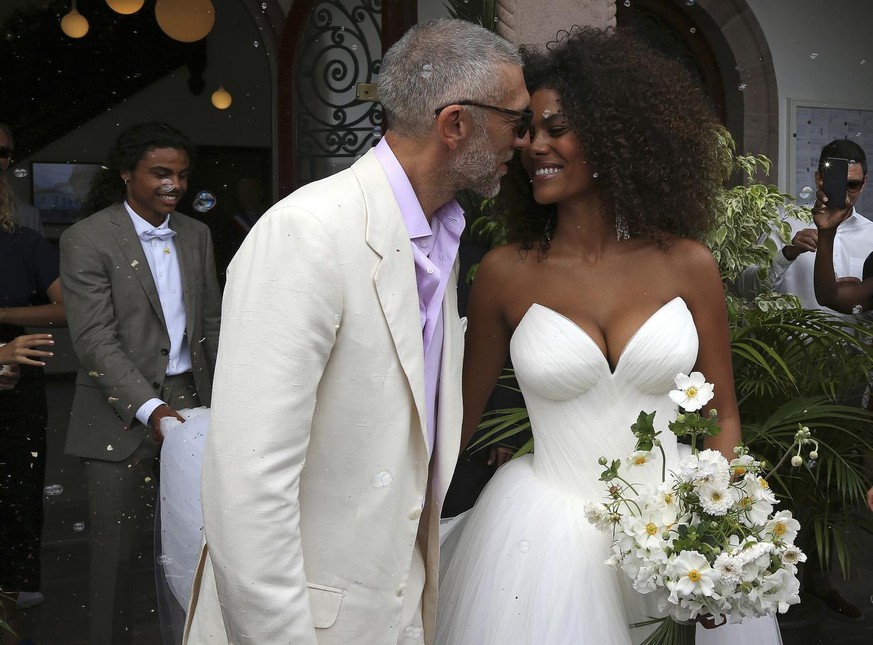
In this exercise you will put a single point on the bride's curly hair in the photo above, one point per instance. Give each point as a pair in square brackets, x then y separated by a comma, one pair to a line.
[645, 126]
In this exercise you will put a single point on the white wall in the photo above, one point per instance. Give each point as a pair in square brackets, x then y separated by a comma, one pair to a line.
[841, 33]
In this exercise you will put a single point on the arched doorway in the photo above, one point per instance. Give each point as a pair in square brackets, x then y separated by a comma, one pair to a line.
[328, 48]
[720, 42]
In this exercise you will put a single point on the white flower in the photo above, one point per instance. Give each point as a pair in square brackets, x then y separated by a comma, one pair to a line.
[638, 458]
[728, 568]
[715, 500]
[783, 527]
[693, 393]
[599, 515]
[707, 468]
[690, 575]
[754, 500]
[791, 557]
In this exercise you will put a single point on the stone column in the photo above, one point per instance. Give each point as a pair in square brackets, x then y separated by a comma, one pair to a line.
[534, 22]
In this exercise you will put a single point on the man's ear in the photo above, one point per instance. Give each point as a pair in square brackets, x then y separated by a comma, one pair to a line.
[451, 126]
[818, 179]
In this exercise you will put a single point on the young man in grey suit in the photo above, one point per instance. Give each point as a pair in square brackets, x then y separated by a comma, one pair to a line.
[144, 313]
[337, 408]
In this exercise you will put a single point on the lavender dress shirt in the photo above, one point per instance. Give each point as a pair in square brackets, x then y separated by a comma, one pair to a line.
[434, 249]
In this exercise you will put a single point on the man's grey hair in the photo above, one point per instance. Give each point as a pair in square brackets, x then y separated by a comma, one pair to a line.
[438, 63]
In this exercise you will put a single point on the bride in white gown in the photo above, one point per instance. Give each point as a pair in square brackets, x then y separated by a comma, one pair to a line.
[602, 300]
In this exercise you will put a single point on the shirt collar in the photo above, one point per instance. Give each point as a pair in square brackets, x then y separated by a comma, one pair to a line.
[140, 225]
[410, 208]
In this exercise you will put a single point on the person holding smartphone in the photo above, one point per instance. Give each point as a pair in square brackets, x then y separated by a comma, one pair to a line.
[793, 266]
[845, 296]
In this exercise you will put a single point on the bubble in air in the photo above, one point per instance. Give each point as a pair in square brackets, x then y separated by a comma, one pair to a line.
[689, 3]
[595, 175]
[204, 202]
[805, 192]
[813, 55]
[524, 546]
[863, 61]
[693, 30]
[547, 114]
[21, 173]
[626, 3]
[164, 559]
[54, 489]
[377, 132]
[257, 44]
[167, 185]
[264, 6]
[857, 309]
[742, 86]
[426, 70]
[383, 479]
[78, 527]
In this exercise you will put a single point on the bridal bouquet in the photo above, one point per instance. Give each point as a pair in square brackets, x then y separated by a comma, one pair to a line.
[706, 541]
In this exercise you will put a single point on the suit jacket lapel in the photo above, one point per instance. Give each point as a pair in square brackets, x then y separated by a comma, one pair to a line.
[131, 247]
[395, 275]
[187, 252]
[449, 399]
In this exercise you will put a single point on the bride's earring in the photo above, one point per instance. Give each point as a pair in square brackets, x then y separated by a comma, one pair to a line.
[546, 240]
[622, 232]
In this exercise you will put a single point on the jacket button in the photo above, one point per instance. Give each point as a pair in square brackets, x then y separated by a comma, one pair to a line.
[415, 513]
[401, 591]
[165, 351]
[156, 385]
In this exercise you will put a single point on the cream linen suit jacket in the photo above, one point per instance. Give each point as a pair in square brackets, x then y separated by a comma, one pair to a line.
[316, 473]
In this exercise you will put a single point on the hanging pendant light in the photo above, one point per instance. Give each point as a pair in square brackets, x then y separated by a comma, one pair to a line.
[125, 7]
[74, 24]
[185, 20]
[221, 98]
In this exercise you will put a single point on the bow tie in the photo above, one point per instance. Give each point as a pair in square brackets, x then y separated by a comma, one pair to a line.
[157, 234]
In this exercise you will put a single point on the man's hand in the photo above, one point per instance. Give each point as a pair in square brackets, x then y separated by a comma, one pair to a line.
[160, 412]
[803, 241]
[829, 216]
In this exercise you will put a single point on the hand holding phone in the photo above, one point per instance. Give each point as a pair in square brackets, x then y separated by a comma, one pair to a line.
[835, 174]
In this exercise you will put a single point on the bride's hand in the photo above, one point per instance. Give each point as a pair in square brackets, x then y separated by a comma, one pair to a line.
[708, 621]
[499, 455]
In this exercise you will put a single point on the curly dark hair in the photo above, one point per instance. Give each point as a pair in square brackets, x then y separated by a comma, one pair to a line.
[645, 126]
[132, 144]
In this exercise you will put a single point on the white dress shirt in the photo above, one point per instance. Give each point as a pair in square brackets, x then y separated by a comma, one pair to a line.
[164, 265]
[853, 242]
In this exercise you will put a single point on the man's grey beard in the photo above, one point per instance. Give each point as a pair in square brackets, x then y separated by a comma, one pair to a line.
[476, 167]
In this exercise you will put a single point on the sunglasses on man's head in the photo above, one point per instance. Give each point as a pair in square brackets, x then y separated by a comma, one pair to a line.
[524, 116]
[5, 153]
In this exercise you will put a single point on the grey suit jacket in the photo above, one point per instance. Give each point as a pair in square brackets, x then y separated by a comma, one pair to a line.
[118, 328]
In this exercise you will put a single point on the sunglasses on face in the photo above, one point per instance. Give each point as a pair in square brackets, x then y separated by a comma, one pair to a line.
[524, 117]
[5, 153]
[854, 185]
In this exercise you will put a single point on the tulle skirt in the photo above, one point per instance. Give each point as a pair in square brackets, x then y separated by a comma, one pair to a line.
[524, 566]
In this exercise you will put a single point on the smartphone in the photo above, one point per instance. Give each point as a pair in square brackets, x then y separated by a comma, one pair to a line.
[835, 174]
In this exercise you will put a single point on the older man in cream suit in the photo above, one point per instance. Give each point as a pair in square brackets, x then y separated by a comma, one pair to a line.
[337, 405]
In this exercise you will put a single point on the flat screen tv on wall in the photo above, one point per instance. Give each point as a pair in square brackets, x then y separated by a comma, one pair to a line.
[59, 189]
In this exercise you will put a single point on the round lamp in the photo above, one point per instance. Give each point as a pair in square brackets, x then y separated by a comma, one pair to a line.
[125, 7]
[185, 20]
[74, 24]
[221, 98]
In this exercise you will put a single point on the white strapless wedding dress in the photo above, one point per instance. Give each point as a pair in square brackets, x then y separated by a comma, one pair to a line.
[524, 566]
